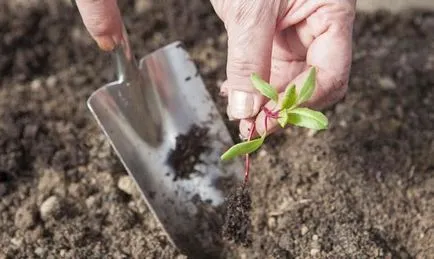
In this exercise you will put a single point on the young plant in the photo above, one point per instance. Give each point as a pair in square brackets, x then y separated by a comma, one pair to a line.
[288, 112]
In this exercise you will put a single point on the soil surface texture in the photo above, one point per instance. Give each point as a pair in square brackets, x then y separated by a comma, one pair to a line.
[362, 189]
[237, 223]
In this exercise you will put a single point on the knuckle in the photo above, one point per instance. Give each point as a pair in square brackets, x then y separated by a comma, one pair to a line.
[100, 25]
[242, 67]
[337, 12]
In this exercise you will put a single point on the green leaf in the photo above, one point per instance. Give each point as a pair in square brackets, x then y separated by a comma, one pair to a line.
[283, 118]
[308, 87]
[305, 117]
[265, 88]
[289, 97]
[243, 148]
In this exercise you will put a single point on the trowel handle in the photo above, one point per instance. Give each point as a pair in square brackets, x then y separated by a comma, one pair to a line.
[122, 54]
[124, 57]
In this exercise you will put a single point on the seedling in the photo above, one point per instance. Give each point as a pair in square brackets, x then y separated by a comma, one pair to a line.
[288, 112]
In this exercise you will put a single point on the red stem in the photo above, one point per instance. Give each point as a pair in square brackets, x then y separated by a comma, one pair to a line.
[247, 162]
[268, 114]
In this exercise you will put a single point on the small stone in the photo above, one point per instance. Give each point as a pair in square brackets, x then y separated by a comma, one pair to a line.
[50, 207]
[91, 201]
[51, 81]
[272, 222]
[39, 251]
[304, 230]
[142, 6]
[315, 237]
[387, 83]
[16, 241]
[36, 84]
[262, 153]
[314, 251]
[127, 185]
[24, 217]
[343, 123]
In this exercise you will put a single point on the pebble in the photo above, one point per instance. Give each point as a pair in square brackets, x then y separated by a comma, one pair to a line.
[49, 207]
[51, 81]
[304, 230]
[127, 185]
[272, 222]
[91, 201]
[314, 251]
[387, 83]
[39, 251]
[142, 6]
[16, 241]
[36, 84]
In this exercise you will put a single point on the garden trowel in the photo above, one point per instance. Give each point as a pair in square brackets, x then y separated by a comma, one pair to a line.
[153, 105]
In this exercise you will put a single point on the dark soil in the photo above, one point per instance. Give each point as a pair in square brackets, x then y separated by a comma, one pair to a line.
[237, 224]
[187, 153]
[362, 189]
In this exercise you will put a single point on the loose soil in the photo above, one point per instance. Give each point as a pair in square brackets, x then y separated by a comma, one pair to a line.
[189, 149]
[237, 223]
[362, 189]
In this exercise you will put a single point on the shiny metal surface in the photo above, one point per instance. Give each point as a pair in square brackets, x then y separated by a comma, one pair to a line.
[142, 114]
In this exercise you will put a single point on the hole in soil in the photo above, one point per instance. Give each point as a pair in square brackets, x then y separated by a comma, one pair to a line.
[236, 228]
[186, 155]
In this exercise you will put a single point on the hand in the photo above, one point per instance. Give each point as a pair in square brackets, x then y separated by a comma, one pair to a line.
[102, 19]
[280, 40]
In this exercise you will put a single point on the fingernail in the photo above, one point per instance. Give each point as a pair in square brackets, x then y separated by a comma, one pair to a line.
[241, 104]
[228, 112]
[106, 43]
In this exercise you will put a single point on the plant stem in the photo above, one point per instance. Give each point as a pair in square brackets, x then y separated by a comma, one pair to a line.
[247, 161]
[268, 114]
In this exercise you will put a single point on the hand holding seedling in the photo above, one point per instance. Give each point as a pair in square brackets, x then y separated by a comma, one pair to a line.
[286, 110]
[280, 41]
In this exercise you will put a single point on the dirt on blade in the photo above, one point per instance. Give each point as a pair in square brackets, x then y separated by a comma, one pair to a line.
[187, 153]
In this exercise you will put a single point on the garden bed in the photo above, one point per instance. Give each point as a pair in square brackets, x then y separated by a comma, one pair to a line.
[364, 188]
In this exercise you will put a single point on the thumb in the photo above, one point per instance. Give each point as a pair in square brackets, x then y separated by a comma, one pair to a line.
[103, 21]
[250, 28]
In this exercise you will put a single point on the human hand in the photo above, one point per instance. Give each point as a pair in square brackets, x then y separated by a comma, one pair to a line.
[281, 40]
[102, 19]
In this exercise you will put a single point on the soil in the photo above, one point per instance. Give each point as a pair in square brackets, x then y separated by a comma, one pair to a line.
[237, 223]
[187, 153]
[362, 189]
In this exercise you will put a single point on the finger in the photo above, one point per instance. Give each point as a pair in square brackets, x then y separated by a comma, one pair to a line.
[250, 27]
[103, 21]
